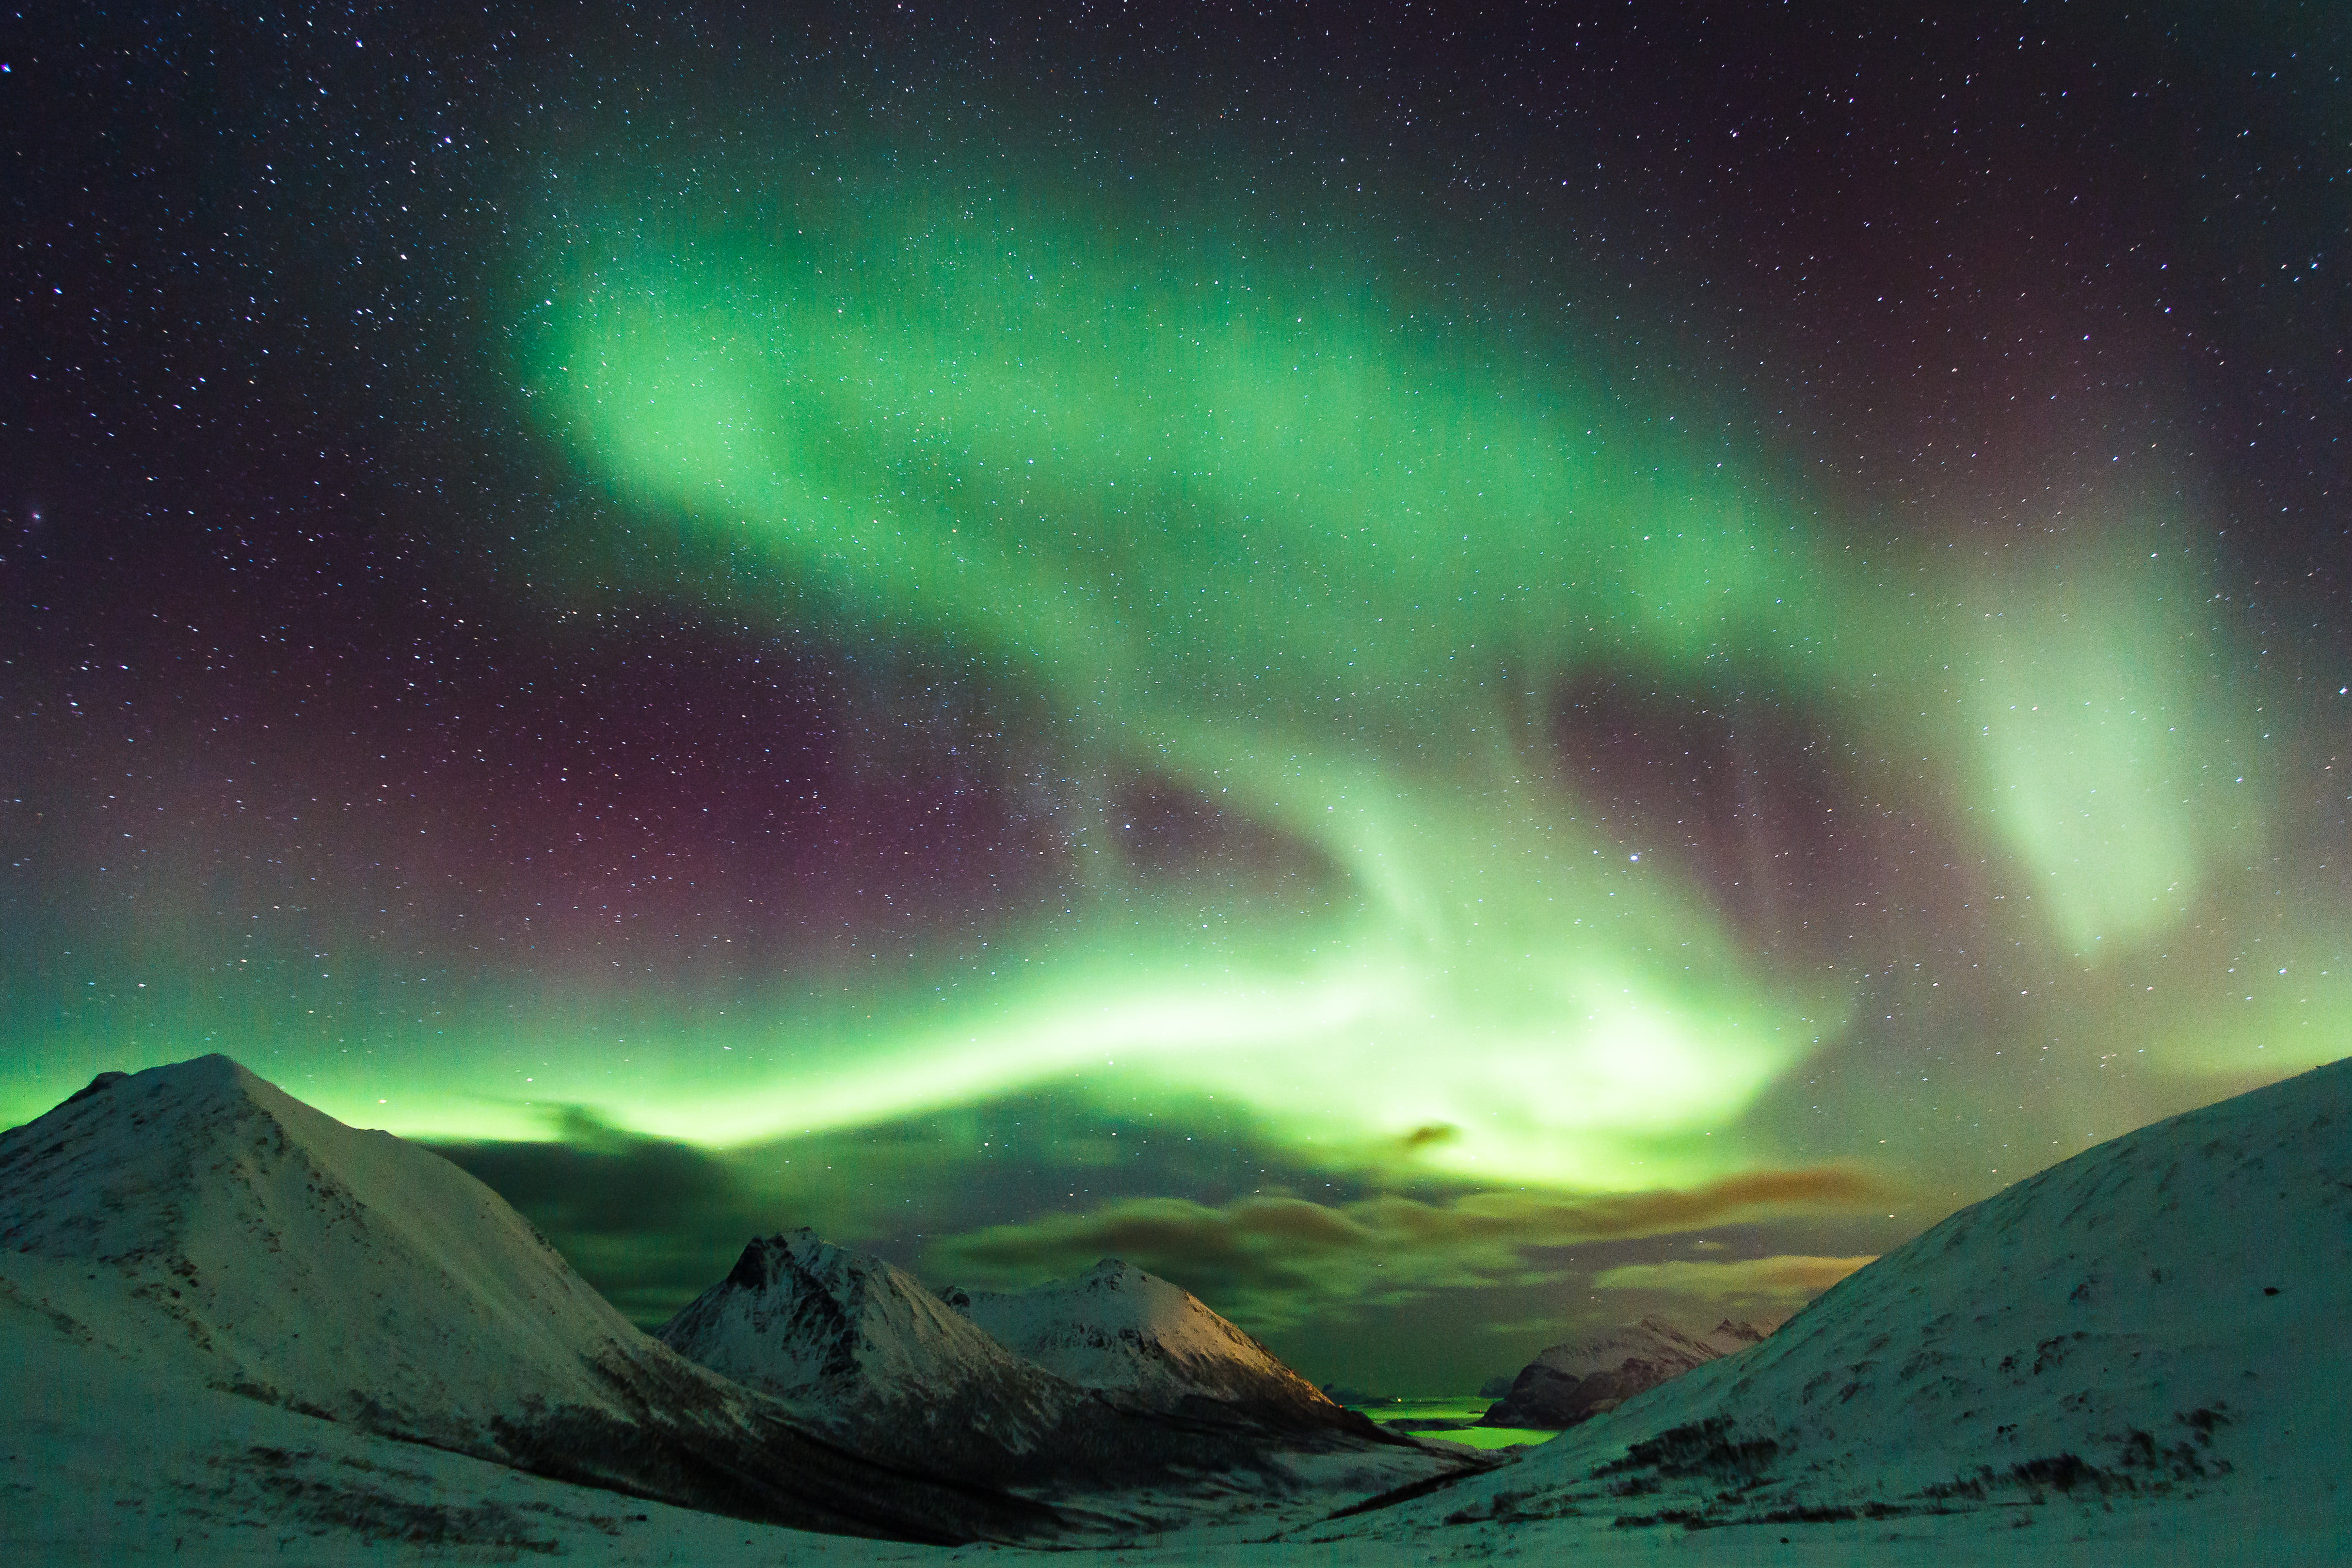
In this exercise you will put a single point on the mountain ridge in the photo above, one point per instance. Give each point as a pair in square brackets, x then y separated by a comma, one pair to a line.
[1148, 1342]
[1573, 1381]
[195, 1218]
[866, 1353]
[2157, 1316]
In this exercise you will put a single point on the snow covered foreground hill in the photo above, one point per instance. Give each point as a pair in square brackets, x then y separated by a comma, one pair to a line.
[212, 1232]
[1568, 1383]
[2157, 1318]
[1149, 1409]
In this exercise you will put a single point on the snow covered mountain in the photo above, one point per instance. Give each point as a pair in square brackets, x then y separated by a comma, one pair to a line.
[2146, 1337]
[1566, 1383]
[1150, 1345]
[2159, 1316]
[1172, 1409]
[205, 1227]
[859, 1345]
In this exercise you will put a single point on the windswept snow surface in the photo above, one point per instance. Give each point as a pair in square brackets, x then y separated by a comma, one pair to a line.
[2159, 1318]
[206, 1228]
[863, 1350]
[1571, 1382]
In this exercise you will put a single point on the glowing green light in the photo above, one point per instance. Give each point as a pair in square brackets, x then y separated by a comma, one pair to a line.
[2084, 706]
[1323, 562]
[1296, 554]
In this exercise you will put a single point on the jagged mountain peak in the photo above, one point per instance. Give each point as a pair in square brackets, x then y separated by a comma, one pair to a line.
[1651, 1336]
[818, 1323]
[1121, 1383]
[1728, 1333]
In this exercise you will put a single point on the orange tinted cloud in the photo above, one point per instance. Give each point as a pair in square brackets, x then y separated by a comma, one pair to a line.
[1275, 1260]
[1787, 1281]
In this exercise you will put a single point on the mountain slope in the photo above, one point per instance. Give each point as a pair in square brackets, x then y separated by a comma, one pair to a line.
[198, 1221]
[1150, 1345]
[853, 1342]
[1566, 1383]
[861, 1349]
[2161, 1314]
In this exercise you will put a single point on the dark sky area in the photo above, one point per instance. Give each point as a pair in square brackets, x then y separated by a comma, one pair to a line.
[1451, 673]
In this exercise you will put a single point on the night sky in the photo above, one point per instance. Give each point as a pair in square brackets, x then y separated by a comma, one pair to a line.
[1450, 674]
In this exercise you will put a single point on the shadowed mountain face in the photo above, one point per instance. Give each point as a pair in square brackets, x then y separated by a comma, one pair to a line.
[1142, 1390]
[859, 1346]
[2160, 1316]
[199, 1222]
[1568, 1383]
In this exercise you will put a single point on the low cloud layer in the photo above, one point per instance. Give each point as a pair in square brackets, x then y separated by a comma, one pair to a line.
[649, 1222]
[1276, 1262]
[1784, 1283]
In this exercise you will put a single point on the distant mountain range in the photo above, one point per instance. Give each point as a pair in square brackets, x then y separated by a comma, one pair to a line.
[1119, 1396]
[1568, 1383]
[202, 1226]
[1152, 1345]
[230, 1320]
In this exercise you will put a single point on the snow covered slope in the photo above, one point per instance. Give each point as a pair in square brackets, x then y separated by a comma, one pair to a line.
[203, 1225]
[863, 1350]
[802, 1317]
[204, 1479]
[1566, 1383]
[2225, 1204]
[1150, 1345]
[857, 1344]
[2160, 1315]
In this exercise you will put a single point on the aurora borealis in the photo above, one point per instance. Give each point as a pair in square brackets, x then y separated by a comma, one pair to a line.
[1448, 680]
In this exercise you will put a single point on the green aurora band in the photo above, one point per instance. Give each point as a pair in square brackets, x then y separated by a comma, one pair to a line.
[1254, 529]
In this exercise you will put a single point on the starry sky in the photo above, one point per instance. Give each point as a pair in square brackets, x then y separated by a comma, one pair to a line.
[1452, 673]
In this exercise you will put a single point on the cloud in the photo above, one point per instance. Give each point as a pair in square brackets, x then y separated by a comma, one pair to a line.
[649, 1222]
[1786, 1282]
[1272, 1261]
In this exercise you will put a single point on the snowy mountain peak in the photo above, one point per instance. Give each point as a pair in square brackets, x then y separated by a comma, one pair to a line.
[212, 1231]
[768, 1255]
[198, 1162]
[1145, 1340]
[1120, 1384]
[102, 1082]
[820, 1325]
[1566, 1383]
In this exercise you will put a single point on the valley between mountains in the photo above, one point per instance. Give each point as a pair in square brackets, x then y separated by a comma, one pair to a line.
[236, 1327]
